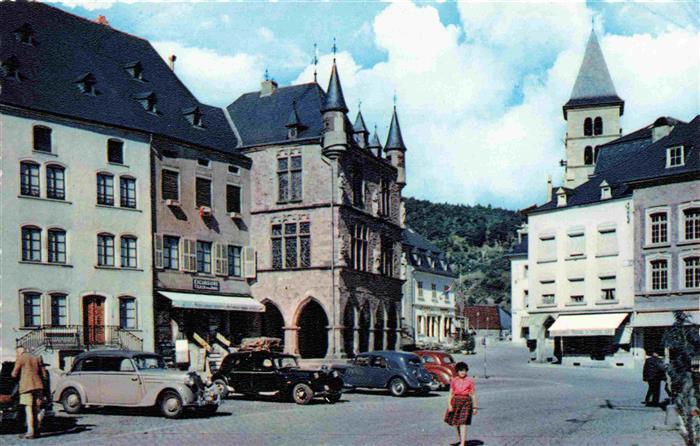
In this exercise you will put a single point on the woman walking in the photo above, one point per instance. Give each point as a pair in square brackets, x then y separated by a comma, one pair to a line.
[461, 404]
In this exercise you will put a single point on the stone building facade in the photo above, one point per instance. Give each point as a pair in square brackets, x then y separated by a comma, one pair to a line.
[325, 220]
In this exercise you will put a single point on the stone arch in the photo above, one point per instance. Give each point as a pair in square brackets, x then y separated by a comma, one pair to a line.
[379, 325]
[365, 325]
[312, 321]
[350, 322]
[272, 321]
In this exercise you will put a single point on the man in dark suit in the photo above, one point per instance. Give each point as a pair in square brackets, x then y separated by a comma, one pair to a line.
[653, 373]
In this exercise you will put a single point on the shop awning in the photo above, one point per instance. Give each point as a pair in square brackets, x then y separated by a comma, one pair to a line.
[213, 302]
[662, 319]
[603, 324]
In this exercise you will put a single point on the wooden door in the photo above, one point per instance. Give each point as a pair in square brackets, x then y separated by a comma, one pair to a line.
[94, 319]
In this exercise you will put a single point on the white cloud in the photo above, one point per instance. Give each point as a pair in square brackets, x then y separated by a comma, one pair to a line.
[214, 78]
[266, 34]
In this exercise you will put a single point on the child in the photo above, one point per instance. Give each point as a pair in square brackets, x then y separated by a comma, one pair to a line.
[461, 403]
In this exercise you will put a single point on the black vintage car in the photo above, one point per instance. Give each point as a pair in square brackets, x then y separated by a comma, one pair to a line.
[10, 410]
[250, 373]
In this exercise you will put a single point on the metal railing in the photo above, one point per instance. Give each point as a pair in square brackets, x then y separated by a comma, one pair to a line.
[79, 337]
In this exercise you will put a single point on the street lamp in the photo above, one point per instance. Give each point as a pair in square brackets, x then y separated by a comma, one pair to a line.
[487, 327]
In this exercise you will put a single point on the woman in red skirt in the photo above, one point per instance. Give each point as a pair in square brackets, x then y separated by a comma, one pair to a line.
[461, 404]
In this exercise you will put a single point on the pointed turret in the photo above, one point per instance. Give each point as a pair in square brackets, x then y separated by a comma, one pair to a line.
[593, 85]
[360, 131]
[294, 125]
[396, 149]
[335, 101]
[395, 140]
[374, 145]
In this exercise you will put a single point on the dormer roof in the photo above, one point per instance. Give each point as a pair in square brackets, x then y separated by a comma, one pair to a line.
[293, 120]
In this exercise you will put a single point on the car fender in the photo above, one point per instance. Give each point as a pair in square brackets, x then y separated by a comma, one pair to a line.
[152, 395]
[66, 383]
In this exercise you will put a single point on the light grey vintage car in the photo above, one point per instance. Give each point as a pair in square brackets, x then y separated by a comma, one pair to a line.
[132, 379]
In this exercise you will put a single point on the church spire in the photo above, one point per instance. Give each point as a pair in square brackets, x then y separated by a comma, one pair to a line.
[593, 85]
[335, 101]
[374, 145]
[395, 140]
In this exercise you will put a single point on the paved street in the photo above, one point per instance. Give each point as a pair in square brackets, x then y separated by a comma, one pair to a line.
[521, 404]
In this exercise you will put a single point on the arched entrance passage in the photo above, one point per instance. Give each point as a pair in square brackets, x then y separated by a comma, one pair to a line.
[365, 318]
[349, 329]
[379, 328]
[392, 325]
[313, 334]
[272, 322]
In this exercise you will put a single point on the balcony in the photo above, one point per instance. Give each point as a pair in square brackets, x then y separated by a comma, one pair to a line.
[79, 337]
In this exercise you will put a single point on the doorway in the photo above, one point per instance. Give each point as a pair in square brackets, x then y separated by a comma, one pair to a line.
[313, 331]
[94, 320]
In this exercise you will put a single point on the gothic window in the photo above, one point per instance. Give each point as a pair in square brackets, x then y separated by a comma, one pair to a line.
[291, 245]
[357, 185]
[587, 127]
[289, 175]
[359, 247]
[588, 155]
[384, 197]
[387, 260]
[598, 126]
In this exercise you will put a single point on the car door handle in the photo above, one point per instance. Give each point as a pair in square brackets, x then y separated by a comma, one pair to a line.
[134, 379]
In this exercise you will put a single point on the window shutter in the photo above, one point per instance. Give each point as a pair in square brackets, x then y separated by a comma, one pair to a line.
[169, 184]
[203, 192]
[45, 310]
[220, 260]
[188, 255]
[158, 251]
[249, 262]
[233, 198]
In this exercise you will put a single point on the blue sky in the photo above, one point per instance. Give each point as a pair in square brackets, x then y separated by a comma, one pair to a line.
[479, 85]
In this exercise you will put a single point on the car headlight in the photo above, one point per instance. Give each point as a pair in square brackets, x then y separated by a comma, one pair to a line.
[316, 375]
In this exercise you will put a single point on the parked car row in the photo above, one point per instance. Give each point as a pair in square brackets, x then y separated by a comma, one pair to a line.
[137, 379]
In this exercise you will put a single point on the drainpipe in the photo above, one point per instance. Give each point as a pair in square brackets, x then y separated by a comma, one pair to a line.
[332, 165]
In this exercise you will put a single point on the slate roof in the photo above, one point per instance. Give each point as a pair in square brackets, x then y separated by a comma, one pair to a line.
[67, 48]
[250, 110]
[360, 126]
[633, 159]
[394, 140]
[334, 100]
[423, 255]
[593, 85]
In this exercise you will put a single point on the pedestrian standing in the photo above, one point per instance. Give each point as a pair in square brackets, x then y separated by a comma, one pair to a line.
[652, 374]
[461, 403]
[32, 373]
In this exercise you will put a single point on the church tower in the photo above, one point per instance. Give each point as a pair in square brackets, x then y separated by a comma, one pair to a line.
[592, 114]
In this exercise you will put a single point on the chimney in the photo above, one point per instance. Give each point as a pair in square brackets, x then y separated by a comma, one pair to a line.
[267, 87]
[171, 62]
[102, 20]
[661, 128]
[549, 189]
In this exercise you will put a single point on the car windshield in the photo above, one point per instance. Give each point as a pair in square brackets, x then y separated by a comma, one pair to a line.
[414, 360]
[149, 362]
[286, 361]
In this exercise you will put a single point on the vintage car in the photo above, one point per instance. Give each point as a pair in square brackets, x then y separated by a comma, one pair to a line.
[250, 373]
[397, 371]
[132, 379]
[439, 364]
[10, 410]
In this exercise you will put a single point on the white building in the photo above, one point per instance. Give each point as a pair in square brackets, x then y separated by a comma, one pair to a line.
[428, 293]
[519, 289]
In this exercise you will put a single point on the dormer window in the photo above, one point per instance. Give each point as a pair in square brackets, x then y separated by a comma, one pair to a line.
[86, 84]
[605, 190]
[25, 34]
[135, 70]
[193, 116]
[675, 156]
[148, 101]
[9, 68]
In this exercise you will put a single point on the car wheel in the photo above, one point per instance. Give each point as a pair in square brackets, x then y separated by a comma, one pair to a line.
[71, 402]
[333, 398]
[302, 393]
[221, 388]
[397, 387]
[170, 404]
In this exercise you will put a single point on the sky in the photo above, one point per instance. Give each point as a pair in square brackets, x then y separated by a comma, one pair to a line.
[479, 86]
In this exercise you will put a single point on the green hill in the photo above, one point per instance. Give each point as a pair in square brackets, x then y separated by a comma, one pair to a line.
[475, 240]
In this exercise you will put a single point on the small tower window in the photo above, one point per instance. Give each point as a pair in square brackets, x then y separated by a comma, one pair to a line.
[86, 84]
[25, 34]
[598, 126]
[9, 68]
[135, 70]
[587, 127]
[588, 156]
